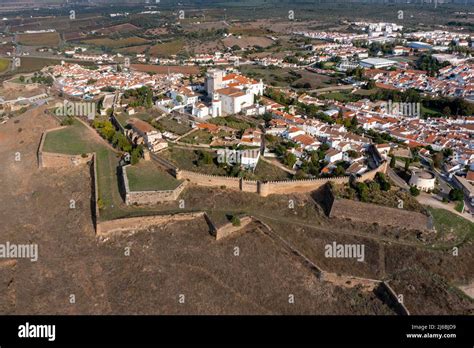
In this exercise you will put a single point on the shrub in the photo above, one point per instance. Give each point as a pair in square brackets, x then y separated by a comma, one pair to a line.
[383, 182]
[235, 220]
[67, 121]
[414, 191]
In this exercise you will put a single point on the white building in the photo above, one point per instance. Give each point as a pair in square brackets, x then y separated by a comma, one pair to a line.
[423, 180]
[377, 63]
[333, 155]
[200, 110]
[234, 100]
[187, 96]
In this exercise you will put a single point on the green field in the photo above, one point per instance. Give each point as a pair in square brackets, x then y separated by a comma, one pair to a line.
[446, 223]
[78, 139]
[147, 176]
[274, 76]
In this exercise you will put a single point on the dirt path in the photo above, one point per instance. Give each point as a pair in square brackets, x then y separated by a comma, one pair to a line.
[429, 200]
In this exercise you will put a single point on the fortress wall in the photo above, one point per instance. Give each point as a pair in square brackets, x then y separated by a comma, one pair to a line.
[149, 197]
[388, 295]
[142, 222]
[249, 186]
[297, 186]
[153, 197]
[209, 180]
[370, 175]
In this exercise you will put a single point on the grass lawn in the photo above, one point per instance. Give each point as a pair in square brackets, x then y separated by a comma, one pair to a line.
[268, 171]
[187, 160]
[198, 137]
[232, 122]
[446, 222]
[122, 117]
[147, 176]
[459, 207]
[173, 126]
[427, 112]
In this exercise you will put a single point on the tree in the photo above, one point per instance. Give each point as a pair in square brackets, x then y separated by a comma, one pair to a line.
[456, 195]
[205, 158]
[447, 111]
[354, 123]
[136, 154]
[447, 152]
[393, 161]
[438, 159]
[370, 84]
[339, 171]
[407, 164]
[289, 159]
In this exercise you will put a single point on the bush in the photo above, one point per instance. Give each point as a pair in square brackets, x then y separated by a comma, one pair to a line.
[414, 191]
[67, 121]
[383, 182]
[235, 220]
[363, 191]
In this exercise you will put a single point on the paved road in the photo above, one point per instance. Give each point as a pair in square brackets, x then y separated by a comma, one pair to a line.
[397, 180]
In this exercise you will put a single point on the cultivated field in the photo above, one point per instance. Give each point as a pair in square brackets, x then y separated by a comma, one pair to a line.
[247, 41]
[167, 49]
[109, 43]
[39, 39]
